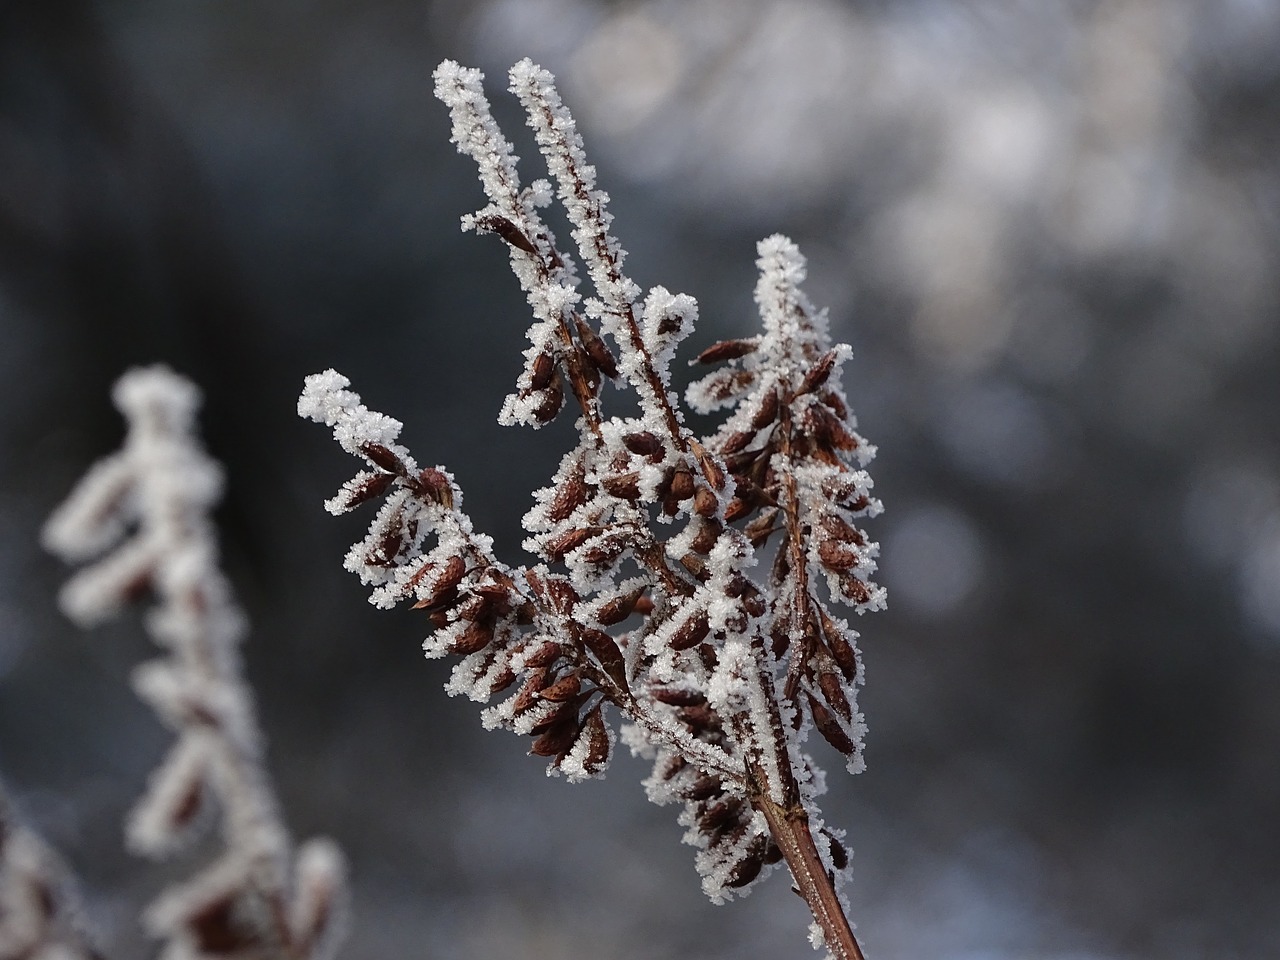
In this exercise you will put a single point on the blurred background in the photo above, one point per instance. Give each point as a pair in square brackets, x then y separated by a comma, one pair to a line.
[1051, 233]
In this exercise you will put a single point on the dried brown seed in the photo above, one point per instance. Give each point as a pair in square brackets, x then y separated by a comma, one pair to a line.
[508, 231]
[446, 579]
[832, 400]
[541, 370]
[625, 486]
[566, 688]
[562, 543]
[748, 869]
[708, 533]
[736, 509]
[543, 655]
[855, 589]
[728, 350]
[598, 746]
[841, 650]
[818, 374]
[605, 649]
[682, 483]
[829, 727]
[713, 472]
[473, 639]
[839, 855]
[759, 529]
[528, 694]
[558, 738]
[678, 696]
[704, 788]
[551, 402]
[719, 815]
[619, 608]
[767, 412]
[828, 430]
[383, 457]
[695, 565]
[836, 555]
[705, 502]
[833, 692]
[604, 552]
[475, 607]
[644, 444]
[837, 529]
[436, 485]
[734, 442]
[569, 495]
[596, 349]
[373, 486]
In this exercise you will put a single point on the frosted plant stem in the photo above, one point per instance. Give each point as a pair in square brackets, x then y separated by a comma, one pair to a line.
[789, 826]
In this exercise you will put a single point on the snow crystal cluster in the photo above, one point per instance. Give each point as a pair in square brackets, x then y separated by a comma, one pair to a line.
[649, 597]
[140, 518]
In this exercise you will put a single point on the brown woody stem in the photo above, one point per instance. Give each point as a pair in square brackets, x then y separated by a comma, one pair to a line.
[790, 829]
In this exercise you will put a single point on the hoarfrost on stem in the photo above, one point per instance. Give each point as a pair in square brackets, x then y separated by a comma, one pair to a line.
[144, 514]
[647, 599]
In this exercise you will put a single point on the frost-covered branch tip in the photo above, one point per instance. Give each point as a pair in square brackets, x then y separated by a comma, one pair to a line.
[140, 517]
[648, 599]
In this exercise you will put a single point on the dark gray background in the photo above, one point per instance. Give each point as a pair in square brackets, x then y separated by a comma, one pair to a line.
[1049, 231]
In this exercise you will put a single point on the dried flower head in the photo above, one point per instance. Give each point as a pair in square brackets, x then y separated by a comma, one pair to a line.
[646, 601]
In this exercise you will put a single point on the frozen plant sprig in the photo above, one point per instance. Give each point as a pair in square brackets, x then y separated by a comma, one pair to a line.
[39, 913]
[141, 516]
[645, 601]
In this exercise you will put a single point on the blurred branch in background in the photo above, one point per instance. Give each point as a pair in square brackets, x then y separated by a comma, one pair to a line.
[1054, 228]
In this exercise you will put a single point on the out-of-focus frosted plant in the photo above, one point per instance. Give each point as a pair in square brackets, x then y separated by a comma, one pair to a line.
[39, 916]
[142, 515]
[644, 602]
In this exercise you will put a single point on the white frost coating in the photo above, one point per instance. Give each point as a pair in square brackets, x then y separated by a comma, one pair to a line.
[157, 491]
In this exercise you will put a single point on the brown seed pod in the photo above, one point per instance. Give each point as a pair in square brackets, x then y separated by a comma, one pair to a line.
[551, 402]
[557, 739]
[436, 486]
[598, 746]
[818, 374]
[708, 533]
[604, 551]
[541, 370]
[446, 578]
[569, 495]
[508, 231]
[717, 816]
[713, 472]
[736, 508]
[473, 639]
[678, 696]
[839, 855]
[836, 555]
[728, 350]
[704, 788]
[475, 607]
[566, 688]
[682, 483]
[828, 430]
[625, 486]
[644, 444]
[557, 546]
[734, 442]
[705, 503]
[759, 529]
[767, 412]
[528, 694]
[748, 868]
[606, 651]
[829, 727]
[699, 718]
[543, 655]
[832, 401]
[833, 692]
[596, 349]
[373, 486]
[837, 529]
[383, 457]
[855, 589]
[841, 649]
[619, 608]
